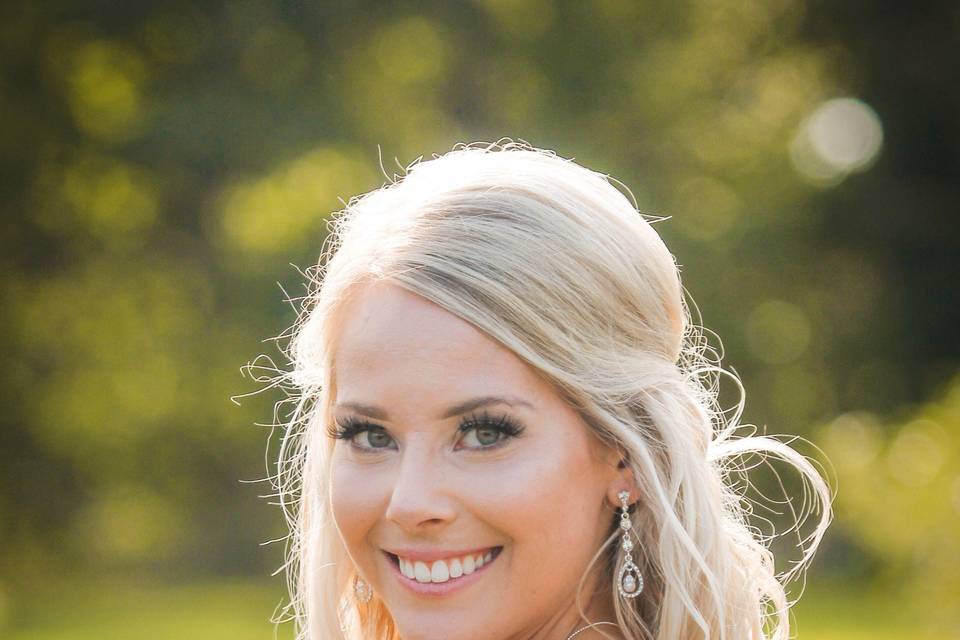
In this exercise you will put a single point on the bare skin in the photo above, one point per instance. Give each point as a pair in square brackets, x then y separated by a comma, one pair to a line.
[449, 443]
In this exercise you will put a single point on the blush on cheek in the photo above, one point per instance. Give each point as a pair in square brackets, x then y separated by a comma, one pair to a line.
[551, 499]
[354, 506]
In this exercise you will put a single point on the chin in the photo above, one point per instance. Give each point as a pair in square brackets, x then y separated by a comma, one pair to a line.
[419, 627]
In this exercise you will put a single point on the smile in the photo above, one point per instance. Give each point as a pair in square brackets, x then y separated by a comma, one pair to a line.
[440, 576]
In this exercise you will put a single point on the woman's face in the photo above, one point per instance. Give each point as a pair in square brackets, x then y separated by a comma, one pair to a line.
[469, 495]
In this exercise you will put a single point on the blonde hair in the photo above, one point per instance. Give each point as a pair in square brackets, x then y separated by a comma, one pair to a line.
[554, 262]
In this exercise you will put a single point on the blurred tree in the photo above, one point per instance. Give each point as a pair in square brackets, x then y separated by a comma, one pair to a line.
[900, 496]
[164, 162]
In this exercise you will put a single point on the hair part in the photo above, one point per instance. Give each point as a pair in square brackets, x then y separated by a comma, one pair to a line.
[552, 261]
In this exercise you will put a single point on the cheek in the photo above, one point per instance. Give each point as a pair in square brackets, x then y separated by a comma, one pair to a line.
[355, 504]
[550, 506]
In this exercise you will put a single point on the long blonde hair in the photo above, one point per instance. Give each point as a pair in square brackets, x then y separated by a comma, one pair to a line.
[554, 262]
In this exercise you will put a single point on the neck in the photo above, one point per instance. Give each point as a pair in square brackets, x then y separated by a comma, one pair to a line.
[568, 621]
[600, 610]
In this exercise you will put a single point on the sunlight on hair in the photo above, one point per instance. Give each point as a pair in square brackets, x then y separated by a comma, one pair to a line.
[647, 381]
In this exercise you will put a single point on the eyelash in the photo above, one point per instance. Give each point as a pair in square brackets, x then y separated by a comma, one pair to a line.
[350, 427]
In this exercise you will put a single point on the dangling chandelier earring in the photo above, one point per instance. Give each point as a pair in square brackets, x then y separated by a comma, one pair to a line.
[629, 580]
[362, 590]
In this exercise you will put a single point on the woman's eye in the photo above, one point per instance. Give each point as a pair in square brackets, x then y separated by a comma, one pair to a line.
[480, 437]
[485, 431]
[475, 432]
[373, 439]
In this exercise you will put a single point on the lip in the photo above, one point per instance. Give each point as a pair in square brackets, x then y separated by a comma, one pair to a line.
[439, 589]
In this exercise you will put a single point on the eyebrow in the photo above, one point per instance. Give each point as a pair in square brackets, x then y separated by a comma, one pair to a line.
[377, 413]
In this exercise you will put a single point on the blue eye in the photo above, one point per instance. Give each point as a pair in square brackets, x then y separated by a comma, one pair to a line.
[483, 431]
[373, 439]
[476, 431]
[362, 434]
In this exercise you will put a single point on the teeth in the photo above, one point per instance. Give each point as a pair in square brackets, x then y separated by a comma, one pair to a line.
[421, 572]
[439, 572]
[443, 570]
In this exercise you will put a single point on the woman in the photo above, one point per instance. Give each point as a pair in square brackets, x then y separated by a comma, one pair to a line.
[505, 423]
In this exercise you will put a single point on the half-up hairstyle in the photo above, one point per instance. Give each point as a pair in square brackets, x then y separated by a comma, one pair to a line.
[555, 263]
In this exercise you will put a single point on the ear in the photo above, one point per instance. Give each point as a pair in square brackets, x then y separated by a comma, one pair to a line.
[623, 480]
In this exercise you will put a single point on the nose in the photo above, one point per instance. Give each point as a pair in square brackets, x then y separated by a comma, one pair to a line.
[421, 499]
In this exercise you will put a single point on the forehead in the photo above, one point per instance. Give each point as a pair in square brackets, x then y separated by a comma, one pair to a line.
[397, 345]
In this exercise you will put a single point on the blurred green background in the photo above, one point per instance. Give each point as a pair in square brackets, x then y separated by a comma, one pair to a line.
[167, 167]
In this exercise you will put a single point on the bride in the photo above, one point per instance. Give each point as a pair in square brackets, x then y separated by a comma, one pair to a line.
[506, 427]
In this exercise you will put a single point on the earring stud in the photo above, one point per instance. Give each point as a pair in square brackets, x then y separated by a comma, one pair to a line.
[362, 590]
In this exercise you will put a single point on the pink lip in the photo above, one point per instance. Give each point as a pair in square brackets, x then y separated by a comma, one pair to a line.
[438, 589]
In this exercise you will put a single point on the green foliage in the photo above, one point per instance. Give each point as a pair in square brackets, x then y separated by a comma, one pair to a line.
[164, 164]
[221, 611]
[899, 494]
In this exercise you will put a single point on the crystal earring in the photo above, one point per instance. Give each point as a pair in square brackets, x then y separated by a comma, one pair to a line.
[629, 580]
[362, 590]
